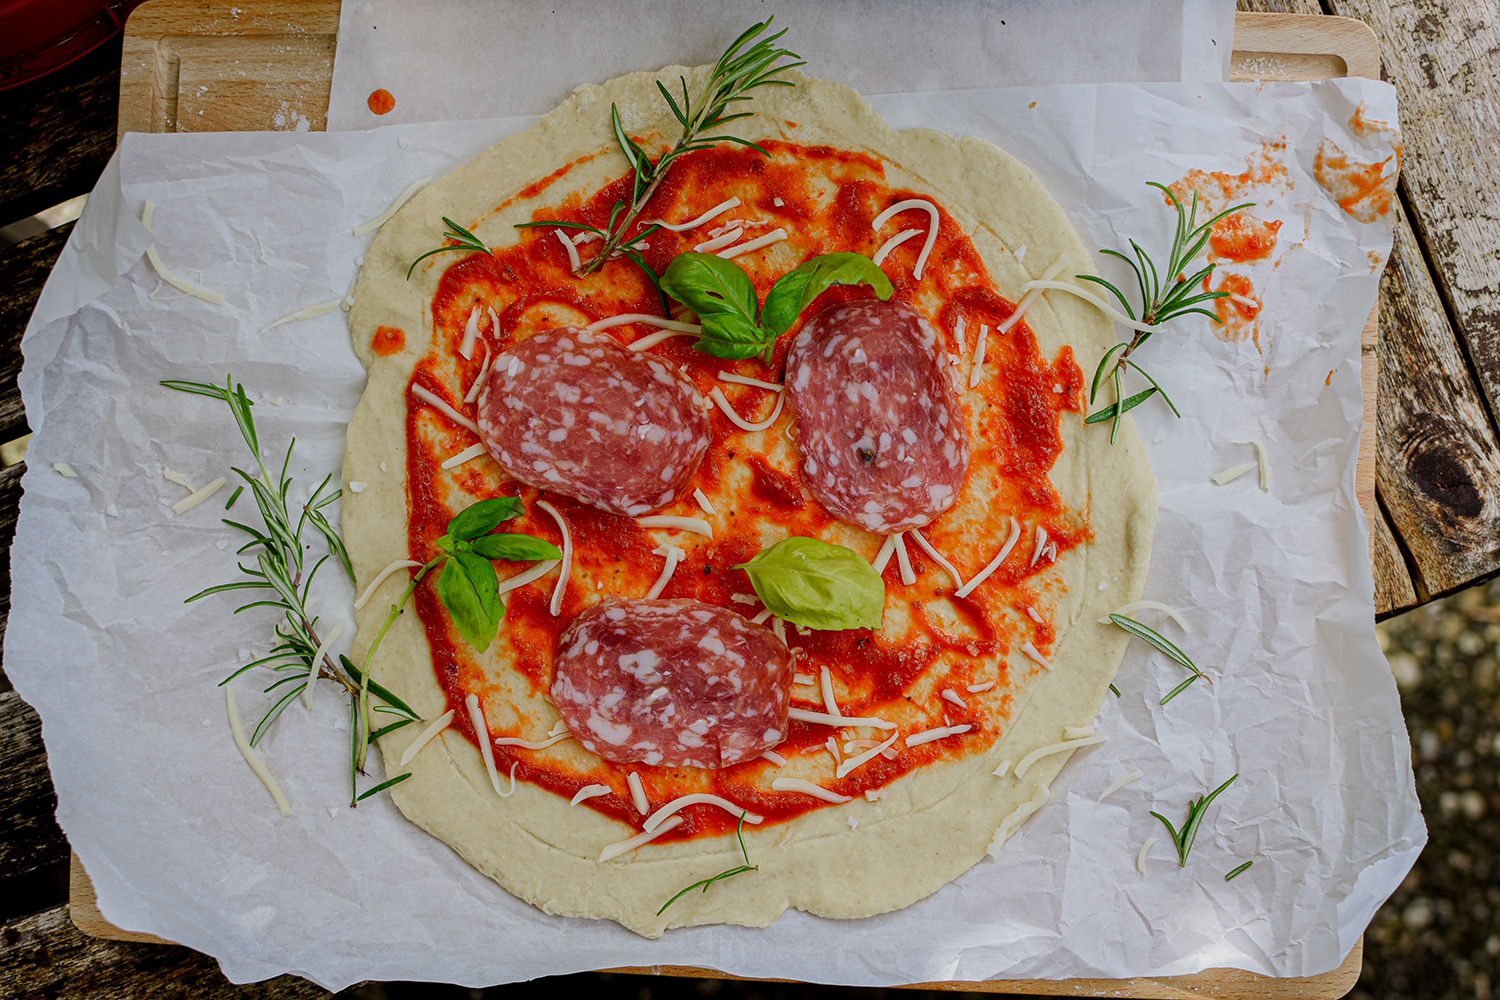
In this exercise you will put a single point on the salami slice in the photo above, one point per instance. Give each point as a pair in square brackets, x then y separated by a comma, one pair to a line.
[578, 413]
[882, 434]
[675, 683]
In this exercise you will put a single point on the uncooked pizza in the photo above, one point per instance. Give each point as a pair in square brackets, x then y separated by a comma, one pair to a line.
[833, 536]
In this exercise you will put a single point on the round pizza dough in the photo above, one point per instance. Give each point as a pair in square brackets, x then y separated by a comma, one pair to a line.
[932, 825]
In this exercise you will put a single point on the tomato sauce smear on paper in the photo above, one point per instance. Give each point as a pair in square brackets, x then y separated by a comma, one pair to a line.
[825, 200]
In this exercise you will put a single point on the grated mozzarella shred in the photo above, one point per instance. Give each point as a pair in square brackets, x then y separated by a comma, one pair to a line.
[839, 721]
[64, 469]
[470, 453]
[482, 730]
[516, 741]
[590, 792]
[573, 262]
[1140, 858]
[1052, 748]
[471, 334]
[1077, 732]
[380, 578]
[932, 229]
[251, 757]
[953, 696]
[644, 319]
[825, 685]
[774, 758]
[712, 213]
[774, 236]
[1041, 544]
[887, 549]
[940, 732]
[395, 206]
[437, 403]
[1134, 606]
[746, 380]
[567, 558]
[937, 556]
[1029, 298]
[192, 500]
[856, 762]
[646, 343]
[721, 241]
[1262, 459]
[717, 395]
[903, 560]
[806, 787]
[639, 840]
[708, 508]
[673, 555]
[638, 793]
[1003, 769]
[1035, 654]
[893, 243]
[311, 312]
[994, 564]
[1121, 782]
[977, 688]
[1232, 473]
[484, 371]
[426, 737]
[536, 572]
[671, 522]
[976, 368]
[165, 274]
[699, 798]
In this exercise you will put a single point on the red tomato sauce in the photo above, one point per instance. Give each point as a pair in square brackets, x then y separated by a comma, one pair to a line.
[826, 200]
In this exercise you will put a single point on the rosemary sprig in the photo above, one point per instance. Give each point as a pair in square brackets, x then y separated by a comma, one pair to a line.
[1230, 876]
[1184, 839]
[463, 240]
[739, 71]
[727, 873]
[1165, 645]
[1165, 295]
[281, 567]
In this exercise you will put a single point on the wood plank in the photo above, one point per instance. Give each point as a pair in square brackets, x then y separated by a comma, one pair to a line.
[1441, 58]
[1288, 46]
[46, 956]
[30, 839]
[25, 266]
[1438, 458]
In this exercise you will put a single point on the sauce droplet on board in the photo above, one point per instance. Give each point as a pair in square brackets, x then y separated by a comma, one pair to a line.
[389, 340]
[381, 101]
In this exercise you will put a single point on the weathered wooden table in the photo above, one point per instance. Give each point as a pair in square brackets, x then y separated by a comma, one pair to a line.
[1436, 447]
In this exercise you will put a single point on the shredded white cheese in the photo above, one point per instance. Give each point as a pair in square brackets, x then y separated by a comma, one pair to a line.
[1029, 298]
[804, 679]
[484, 372]
[820, 718]
[712, 213]
[953, 696]
[749, 599]
[437, 403]
[864, 758]
[928, 735]
[482, 731]
[567, 558]
[670, 522]
[903, 560]
[380, 578]
[937, 556]
[887, 549]
[64, 469]
[721, 241]
[1003, 769]
[699, 798]
[558, 728]
[1231, 474]
[779, 627]
[977, 688]
[317, 659]
[1041, 544]
[774, 758]
[1140, 858]
[708, 508]
[516, 741]
[590, 792]
[470, 453]
[994, 564]
[932, 228]
[893, 243]
[774, 236]
[355, 486]
[1038, 618]
[874, 794]
[1031, 651]
[427, 736]
[536, 572]
[833, 750]
[638, 793]
[717, 395]
[172, 476]
[760, 619]
[1262, 459]
[1052, 748]
[395, 206]
[573, 262]
[148, 211]
[311, 312]
[808, 788]
[248, 752]
[471, 334]
[976, 368]
[656, 338]
[1152, 605]
[214, 298]
[187, 503]
[1077, 732]
[1121, 782]
[673, 555]
[626, 319]
[1096, 302]
[746, 380]
[639, 840]
[825, 684]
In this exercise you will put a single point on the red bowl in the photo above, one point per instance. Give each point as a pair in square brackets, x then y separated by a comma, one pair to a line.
[39, 36]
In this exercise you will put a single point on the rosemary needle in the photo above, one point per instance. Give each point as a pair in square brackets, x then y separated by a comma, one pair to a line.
[1184, 839]
[1238, 870]
[728, 873]
[234, 496]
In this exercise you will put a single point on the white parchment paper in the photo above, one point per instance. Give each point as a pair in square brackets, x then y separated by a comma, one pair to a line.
[542, 49]
[182, 841]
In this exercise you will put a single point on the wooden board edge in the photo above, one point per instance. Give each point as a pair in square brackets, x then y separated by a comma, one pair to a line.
[83, 908]
[1349, 38]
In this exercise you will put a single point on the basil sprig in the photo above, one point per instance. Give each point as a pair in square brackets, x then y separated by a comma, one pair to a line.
[721, 293]
[468, 586]
[817, 584]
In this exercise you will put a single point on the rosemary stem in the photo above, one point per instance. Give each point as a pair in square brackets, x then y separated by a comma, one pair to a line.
[363, 691]
[613, 240]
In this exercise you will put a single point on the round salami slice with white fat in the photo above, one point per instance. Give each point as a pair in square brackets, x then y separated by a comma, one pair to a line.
[578, 413]
[881, 430]
[672, 683]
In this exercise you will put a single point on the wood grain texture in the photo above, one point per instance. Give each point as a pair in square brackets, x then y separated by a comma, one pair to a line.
[1442, 57]
[46, 956]
[25, 266]
[30, 839]
[1438, 458]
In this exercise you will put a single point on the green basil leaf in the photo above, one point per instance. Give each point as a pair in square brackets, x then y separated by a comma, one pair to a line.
[514, 548]
[724, 298]
[799, 286]
[818, 584]
[484, 517]
[471, 599]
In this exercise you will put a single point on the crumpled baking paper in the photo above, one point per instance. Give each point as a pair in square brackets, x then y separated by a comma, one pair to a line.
[182, 841]
[542, 49]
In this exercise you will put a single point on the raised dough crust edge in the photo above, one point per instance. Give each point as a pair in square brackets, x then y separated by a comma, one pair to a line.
[932, 825]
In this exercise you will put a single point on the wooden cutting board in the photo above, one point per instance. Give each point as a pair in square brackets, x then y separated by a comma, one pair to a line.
[254, 65]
